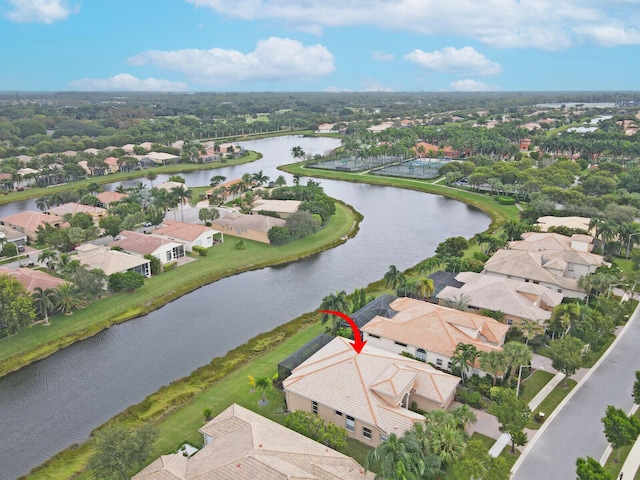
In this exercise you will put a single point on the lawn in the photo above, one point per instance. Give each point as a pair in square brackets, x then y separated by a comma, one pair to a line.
[222, 260]
[534, 384]
[550, 403]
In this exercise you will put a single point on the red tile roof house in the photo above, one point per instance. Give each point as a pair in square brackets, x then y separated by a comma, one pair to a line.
[108, 197]
[140, 244]
[369, 393]
[28, 222]
[423, 149]
[32, 279]
[190, 234]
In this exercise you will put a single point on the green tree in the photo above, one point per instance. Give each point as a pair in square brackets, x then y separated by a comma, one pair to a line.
[636, 388]
[262, 385]
[45, 301]
[297, 152]
[477, 464]
[151, 176]
[563, 318]
[516, 354]
[183, 195]
[155, 264]
[619, 428]
[338, 303]
[399, 458]
[112, 225]
[217, 180]
[453, 247]
[590, 469]
[464, 358]
[312, 426]
[393, 278]
[529, 329]
[127, 281]
[280, 181]
[494, 363]
[424, 287]
[302, 224]
[359, 299]
[119, 450]
[68, 297]
[16, 307]
[512, 414]
[566, 355]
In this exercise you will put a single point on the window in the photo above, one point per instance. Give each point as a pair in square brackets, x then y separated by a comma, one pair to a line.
[338, 413]
[559, 290]
[570, 267]
[366, 432]
[421, 355]
[351, 424]
[373, 336]
[314, 407]
[168, 256]
[449, 365]
[439, 362]
[383, 438]
[509, 321]
[401, 344]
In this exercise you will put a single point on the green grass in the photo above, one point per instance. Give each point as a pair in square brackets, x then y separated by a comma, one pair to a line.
[534, 384]
[618, 456]
[550, 403]
[499, 213]
[120, 176]
[223, 260]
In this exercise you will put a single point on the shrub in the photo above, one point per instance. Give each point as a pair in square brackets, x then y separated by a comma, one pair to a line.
[471, 398]
[208, 414]
[241, 245]
[9, 250]
[200, 250]
[170, 266]
[506, 200]
[269, 213]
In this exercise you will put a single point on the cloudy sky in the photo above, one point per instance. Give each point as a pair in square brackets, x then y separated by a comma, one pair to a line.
[319, 45]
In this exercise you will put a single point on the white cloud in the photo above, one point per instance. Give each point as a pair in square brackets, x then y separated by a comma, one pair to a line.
[39, 11]
[127, 83]
[469, 85]
[544, 24]
[610, 35]
[465, 60]
[371, 85]
[382, 56]
[274, 59]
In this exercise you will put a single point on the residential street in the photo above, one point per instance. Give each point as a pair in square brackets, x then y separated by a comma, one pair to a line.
[577, 430]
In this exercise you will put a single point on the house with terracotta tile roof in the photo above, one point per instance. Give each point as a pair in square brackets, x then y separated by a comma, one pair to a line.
[190, 234]
[28, 222]
[140, 244]
[73, 208]
[111, 261]
[424, 149]
[369, 393]
[432, 332]
[325, 128]
[547, 269]
[108, 197]
[242, 445]
[251, 227]
[32, 279]
[112, 164]
[517, 300]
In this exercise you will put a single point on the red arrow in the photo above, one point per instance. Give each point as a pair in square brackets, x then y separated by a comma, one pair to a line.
[357, 344]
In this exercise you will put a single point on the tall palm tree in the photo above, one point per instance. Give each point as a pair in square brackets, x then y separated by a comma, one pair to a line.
[260, 178]
[393, 278]
[563, 318]
[460, 302]
[465, 358]
[262, 385]
[430, 264]
[447, 442]
[516, 354]
[530, 329]
[297, 152]
[151, 176]
[47, 257]
[44, 300]
[424, 287]
[494, 363]
[182, 194]
[398, 458]
[68, 298]
[337, 303]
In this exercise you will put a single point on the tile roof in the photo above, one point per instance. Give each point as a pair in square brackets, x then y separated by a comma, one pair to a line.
[247, 446]
[183, 231]
[260, 223]
[571, 222]
[367, 385]
[281, 206]
[539, 241]
[11, 233]
[436, 328]
[74, 208]
[32, 279]
[109, 261]
[512, 297]
[108, 197]
[29, 221]
[140, 243]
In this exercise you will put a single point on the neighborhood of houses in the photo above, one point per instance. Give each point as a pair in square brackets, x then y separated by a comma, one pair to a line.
[406, 366]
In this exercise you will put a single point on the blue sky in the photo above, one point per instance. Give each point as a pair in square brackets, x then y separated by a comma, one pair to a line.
[319, 45]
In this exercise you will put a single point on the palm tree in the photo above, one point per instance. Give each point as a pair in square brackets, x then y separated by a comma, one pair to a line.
[458, 303]
[424, 287]
[430, 264]
[297, 152]
[182, 194]
[465, 358]
[151, 176]
[260, 178]
[398, 458]
[217, 180]
[337, 303]
[494, 363]
[44, 300]
[262, 385]
[530, 329]
[47, 257]
[296, 179]
[516, 354]
[563, 318]
[43, 203]
[446, 441]
[280, 181]
[394, 278]
[68, 297]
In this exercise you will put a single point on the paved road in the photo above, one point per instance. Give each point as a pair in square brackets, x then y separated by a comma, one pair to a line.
[577, 430]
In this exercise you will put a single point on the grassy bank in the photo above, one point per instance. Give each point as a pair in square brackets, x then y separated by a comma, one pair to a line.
[498, 213]
[121, 176]
[222, 261]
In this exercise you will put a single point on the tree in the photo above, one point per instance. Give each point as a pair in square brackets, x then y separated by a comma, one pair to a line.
[464, 357]
[440, 436]
[529, 329]
[359, 299]
[424, 287]
[45, 301]
[494, 363]
[217, 180]
[68, 297]
[119, 449]
[112, 225]
[16, 307]
[260, 178]
[47, 257]
[619, 428]
[151, 176]
[297, 152]
[516, 354]
[512, 414]
[337, 303]
[393, 278]
[453, 247]
[302, 224]
[208, 214]
[182, 194]
[398, 458]
[127, 281]
[477, 464]
[636, 388]
[566, 355]
[590, 469]
[280, 181]
[262, 385]
[460, 302]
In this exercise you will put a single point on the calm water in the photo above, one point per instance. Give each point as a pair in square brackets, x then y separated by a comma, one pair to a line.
[58, 401]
